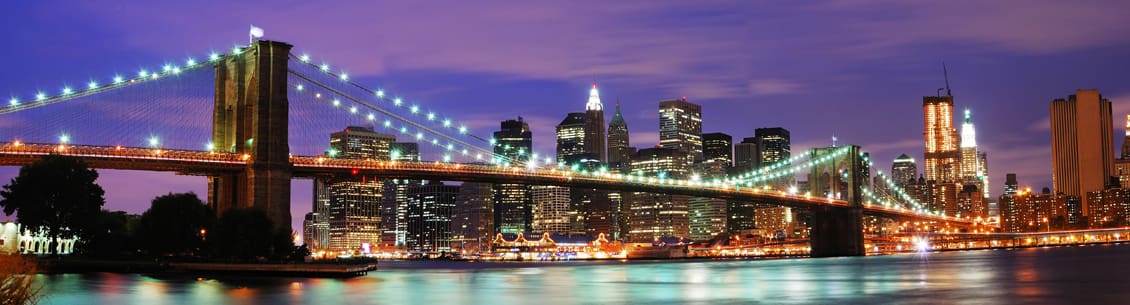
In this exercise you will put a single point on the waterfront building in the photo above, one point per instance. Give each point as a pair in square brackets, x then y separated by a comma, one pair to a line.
[658, 215]
[550, 209]
[472, 221]
[352, 205]
[429, 217]
[512, 202]
[1082, 149]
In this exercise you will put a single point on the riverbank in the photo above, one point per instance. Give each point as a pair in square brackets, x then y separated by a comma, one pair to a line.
[321, 269]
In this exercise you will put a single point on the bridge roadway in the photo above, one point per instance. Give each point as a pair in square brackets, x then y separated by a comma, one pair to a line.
[207, 163]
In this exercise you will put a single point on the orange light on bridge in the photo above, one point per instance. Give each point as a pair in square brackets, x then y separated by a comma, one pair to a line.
[16, 143]
[245, 157]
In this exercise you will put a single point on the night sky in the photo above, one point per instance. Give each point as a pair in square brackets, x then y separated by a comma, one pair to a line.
[854, 68]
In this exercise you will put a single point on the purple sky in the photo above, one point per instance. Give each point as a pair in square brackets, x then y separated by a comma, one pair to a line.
[856, 68]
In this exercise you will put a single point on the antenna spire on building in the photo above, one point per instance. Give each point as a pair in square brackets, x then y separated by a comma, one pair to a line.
[946, 75]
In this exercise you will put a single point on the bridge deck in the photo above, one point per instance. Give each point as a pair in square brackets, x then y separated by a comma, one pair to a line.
[205, 163]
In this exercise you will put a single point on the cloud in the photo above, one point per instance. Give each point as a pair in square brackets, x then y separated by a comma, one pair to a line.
[773, 87]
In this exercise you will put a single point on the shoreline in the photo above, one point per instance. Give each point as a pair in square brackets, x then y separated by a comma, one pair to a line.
[354, 269]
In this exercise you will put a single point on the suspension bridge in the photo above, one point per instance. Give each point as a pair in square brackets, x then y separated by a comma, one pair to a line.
[250, 160]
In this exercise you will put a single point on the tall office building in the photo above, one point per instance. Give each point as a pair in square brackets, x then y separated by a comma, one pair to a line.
[903, 170]
[745, 155]
[707, 217]
[512, 202]
[656, 215]
[773, 145]
[354, 204]
[429, 217]
[680, 128]
[1082, 149]
[717, 154]
[942, 156]
[594, 126]
[1126, 140]
[513, 142]
[571, 138]
[472, 221]
[1010, 184]
[394, 204]
[983, 165]
[969, 164]
[618, 151]
[550, 209]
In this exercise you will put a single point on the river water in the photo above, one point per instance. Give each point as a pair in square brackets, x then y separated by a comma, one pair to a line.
[1097, 274]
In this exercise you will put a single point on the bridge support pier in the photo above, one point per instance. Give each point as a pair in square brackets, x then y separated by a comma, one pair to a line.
[837, 231]
[251, 118]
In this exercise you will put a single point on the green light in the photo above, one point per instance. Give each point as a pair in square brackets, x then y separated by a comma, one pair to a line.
[190, 61]
[64, 138]
[40, 96]
[380, 93]
[325, 68]
[344, 77]
[332, 152]
[118, 79]
[304, 58]
[67, 90]
[14, 102]
[213, 56]
[250, 141]
[92, 85]
[397, 102]
[153, 141]
[415, 109]
[210, 146]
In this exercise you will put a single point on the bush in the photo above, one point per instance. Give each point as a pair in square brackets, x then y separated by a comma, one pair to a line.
[17, 281]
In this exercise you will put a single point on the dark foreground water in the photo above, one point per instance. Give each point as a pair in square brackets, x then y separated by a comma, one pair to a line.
[1067, 275]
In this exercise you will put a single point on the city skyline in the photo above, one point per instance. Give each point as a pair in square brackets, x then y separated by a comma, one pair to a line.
[991, 77]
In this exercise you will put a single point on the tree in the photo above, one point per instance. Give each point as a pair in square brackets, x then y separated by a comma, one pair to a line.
[175, 224]
[115, 234]
[244, 233]
[57, 193]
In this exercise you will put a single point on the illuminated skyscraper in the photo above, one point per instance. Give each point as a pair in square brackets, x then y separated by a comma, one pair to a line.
[903, 170]
[512, 202]
[773, 145]
[942, 162]
[745, 155]
[353, 204]
[618, 151]
[571, 138]
[429, 217]
[1082, 149]
[472, 223]
[594, 126]
[394, 204]
[550, 209]
[717, 154]
[969, 168]
[656, 215]
[1126, 140]
[680, 128]
[513, 141]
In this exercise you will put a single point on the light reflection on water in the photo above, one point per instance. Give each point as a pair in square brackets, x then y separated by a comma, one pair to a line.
[1071, 275]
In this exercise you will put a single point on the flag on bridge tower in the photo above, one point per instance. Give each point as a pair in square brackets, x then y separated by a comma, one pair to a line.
[256, 32]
